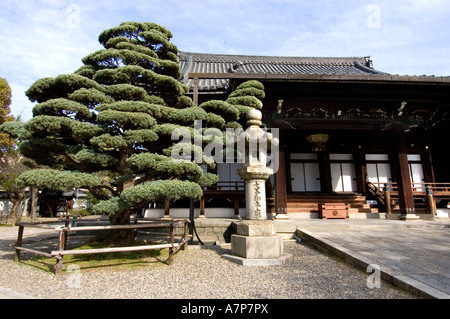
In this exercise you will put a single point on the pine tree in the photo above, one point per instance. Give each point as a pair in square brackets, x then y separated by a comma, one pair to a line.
[108, 126]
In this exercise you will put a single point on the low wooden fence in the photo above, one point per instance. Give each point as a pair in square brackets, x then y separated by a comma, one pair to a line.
[64, 230]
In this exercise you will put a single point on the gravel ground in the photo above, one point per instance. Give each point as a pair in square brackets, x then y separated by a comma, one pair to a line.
[201, 273]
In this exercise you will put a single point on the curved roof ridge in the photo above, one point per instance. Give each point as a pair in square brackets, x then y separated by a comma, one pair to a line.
[369, 69]
[292, 59]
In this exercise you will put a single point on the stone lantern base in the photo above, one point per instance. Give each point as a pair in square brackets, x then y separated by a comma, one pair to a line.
[256, 244]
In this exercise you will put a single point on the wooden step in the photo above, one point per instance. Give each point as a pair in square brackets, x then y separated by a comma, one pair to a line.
[329, 199]
[301, 210]
[363, 210]
[302, 207]
[309, 203]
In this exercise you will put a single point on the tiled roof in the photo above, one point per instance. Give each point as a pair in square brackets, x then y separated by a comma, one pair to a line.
[248, 64]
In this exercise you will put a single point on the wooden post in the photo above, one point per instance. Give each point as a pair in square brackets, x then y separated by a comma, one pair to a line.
[61, 246]
[171, 241]
[202, 206]
[430, 201]
[65, 230]
[387, 199]
[19, 244]
[185, 235]
[59, 265]
[236, 207]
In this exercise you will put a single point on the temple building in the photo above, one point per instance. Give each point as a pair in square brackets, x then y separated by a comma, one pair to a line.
[349, 134]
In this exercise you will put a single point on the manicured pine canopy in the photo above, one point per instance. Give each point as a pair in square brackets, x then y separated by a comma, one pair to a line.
[107, 127]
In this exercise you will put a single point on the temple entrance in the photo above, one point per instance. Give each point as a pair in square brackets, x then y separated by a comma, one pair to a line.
[416, 172]
[343, 176]
[378, 169]
[305, 173]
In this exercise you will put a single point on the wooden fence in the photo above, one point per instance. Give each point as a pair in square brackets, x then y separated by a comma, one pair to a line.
[64, 230]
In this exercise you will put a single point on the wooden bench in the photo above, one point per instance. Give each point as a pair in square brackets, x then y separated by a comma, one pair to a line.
[333, 210]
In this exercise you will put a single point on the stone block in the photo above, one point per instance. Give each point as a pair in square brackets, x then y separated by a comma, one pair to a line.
[255, 228]
[268, 247]
[258, 262]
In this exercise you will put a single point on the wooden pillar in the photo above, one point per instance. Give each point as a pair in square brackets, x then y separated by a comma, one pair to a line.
[325, 172]
[202, 207]
[236, 207]
[405, 193]
[358, 158]
[428, 171]
[281, 182]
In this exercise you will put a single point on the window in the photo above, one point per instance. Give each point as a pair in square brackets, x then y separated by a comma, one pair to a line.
[228, 176]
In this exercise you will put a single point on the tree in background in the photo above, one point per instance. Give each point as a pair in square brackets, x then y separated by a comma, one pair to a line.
[108, 126]
[6, 142]
[12, 163]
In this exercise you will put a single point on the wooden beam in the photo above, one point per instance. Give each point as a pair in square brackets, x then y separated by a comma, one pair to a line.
[134, 226]
[111, 250]
[34, 251]
[371, 78]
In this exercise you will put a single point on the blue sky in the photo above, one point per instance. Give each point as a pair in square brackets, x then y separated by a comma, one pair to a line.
[49, 37]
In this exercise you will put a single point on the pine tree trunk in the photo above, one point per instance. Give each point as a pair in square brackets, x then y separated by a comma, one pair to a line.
[14, 213]
[116, 237]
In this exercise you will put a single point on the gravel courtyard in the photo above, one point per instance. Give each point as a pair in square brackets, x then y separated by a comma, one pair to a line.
[201, 273]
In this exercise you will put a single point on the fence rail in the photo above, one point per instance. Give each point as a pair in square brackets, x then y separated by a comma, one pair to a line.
[227, 186]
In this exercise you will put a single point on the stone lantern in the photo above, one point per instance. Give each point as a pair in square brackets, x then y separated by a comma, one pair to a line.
[255, 172]
[256, 242]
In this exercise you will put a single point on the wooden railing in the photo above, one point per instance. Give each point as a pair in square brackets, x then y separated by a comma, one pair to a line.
[387, 193]
[438, 189]
[66, 228]
[226, 186]
[231, 190]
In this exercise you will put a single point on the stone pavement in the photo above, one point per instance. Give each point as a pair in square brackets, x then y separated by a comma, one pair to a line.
[414, 255]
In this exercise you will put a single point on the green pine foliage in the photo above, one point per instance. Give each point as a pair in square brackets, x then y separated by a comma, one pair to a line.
[107, 127]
